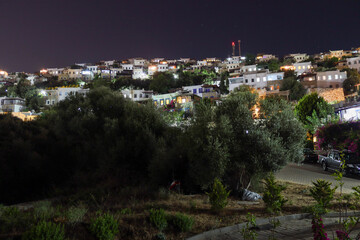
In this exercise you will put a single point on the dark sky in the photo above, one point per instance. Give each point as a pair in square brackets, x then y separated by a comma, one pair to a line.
[56, 33]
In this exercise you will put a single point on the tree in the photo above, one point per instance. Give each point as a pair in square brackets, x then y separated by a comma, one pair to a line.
[297, 90]
[249, 59]
[224, 83]
[274, 65]
[162, 82]
[310, 103]
[353, 78]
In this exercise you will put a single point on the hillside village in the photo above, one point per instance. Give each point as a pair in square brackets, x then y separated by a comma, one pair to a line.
[213, 78]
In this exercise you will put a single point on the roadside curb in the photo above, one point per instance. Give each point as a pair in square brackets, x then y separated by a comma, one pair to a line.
[263, 221]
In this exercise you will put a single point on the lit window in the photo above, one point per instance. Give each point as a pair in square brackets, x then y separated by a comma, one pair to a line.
[303, 67]
[258, 79]
[310, 79]
[250, 69]
[340, 76]
[254, 69]
[167, 101]
[161, 102]
[299, 67]
[264, 79]
[324, 77]
[329, 77]
[308, 66]
[336, 76]
[183, 100]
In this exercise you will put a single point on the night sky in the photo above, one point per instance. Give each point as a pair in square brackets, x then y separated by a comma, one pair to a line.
[57, 33]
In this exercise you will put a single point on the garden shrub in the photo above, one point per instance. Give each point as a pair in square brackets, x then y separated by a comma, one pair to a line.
[322, 192]
[12, 219]
[273, 199]
[218, 195]
[104, 227]
[248, 232]
[45, 231]
[158, 218]
[182, 222]
[75, 214]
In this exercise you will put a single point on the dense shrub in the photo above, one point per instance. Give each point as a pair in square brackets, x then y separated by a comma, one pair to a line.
[158, 218]
[182, 222]
[43, 210]
[104, 227]
[45, 231]
[218, 195]
[12, 219]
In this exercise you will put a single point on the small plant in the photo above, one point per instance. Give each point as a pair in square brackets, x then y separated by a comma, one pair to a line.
[248, 232]
[322, 192]
[45, 231]
[158, 218]
[182, 222]
[104, 227]
[160, 236]
[218, 196]
[75, 215]
[43, 210]
[193, 205]
[273, 199]
[125, 211]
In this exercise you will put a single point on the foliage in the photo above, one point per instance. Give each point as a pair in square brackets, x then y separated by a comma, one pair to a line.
[297, 90]
[248, 232]
[273, 199]
[310, 103]
[12, 219]
[104, 227]
[43, 210]
[158, 218]
[218, 195]
[250, 59]
[325, 115]
[318, 229]
[182, 222]
[353, 78]
[341, 135]
[162, 82]
[322, 192]
[75, 214]
[45, 231]
[224, 83]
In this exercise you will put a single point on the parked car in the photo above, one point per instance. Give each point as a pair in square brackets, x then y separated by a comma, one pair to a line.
[333, 161]
[310, 156]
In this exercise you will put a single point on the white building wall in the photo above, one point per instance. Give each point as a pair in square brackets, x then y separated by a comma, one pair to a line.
[354, 63]
[303, 67]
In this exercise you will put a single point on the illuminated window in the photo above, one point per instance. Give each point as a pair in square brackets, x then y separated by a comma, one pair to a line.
[161, 102]
[336, 76]
[254, 69]
[183, 100]
[299, 67]
[155, 103]
[324, 77]
[303, 67]
[329, 77]
[167, 101]
[264, 79]
[340, 76]
[308, 66]
[258, 79]
[271, 88]
[179, 99]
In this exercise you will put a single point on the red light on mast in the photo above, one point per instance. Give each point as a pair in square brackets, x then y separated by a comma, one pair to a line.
[233, 44]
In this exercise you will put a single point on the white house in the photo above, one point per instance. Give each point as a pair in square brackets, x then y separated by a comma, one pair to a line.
[249, 68]
[162, 67]
[127, 66]
[73, 73]
[298, 57]
[302, 67]
[59, 94]
[55, 71]
[12, 104]
[330, 79]
[137, 95]
[139, 73]
[354, 63]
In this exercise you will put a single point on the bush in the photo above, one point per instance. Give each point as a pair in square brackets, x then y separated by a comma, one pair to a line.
[158, 218]
[218, 196]
[75, 215]
[104, 227]
[273, 199]
[45, 231]
[43, 210]
[12, 219]
[182, 222]
[322, 192]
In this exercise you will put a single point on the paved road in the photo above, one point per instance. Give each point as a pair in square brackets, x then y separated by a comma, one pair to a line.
[306, 173]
